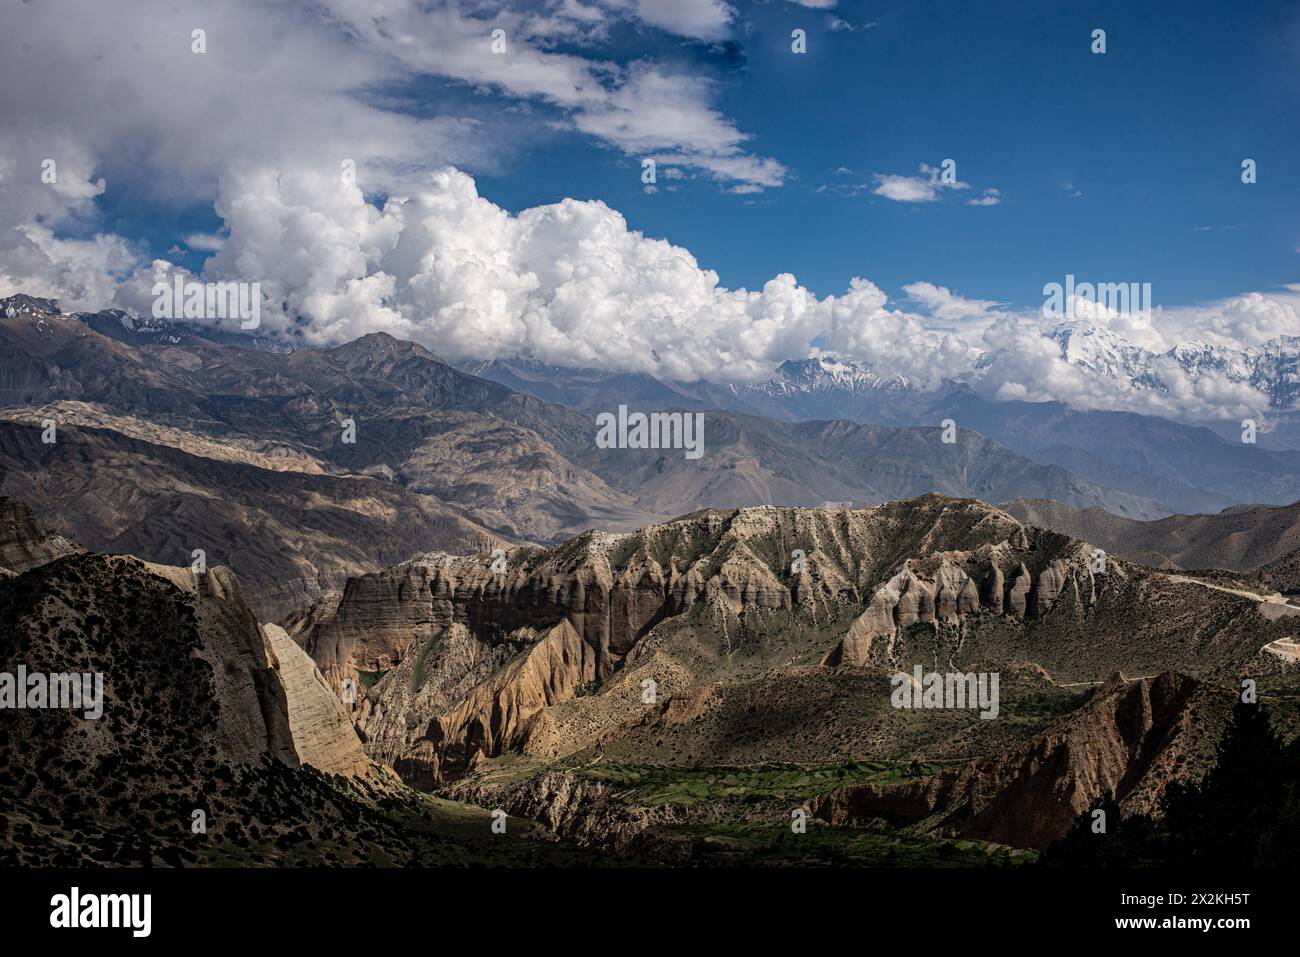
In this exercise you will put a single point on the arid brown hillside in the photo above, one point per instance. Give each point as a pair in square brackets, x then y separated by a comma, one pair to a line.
[289, 535]
[1241, 539]
[1131, 740]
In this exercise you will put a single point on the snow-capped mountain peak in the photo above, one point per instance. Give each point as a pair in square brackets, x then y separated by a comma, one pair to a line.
[1100, 351]
[828, 372]
[1272, 368]
[23, 304]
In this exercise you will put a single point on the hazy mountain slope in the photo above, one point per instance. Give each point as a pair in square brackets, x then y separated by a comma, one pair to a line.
[1239, 539]
[289, 535]
[755, 461]
[503, 474]
[817, 388]
[520, 466]
[590, 391]
[1188, 468]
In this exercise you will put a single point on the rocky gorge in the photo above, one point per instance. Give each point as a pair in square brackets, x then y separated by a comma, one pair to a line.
[490, 675]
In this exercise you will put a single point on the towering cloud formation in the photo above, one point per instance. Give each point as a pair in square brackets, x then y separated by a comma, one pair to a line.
[141, 106]
[354, 213]
[569, 283]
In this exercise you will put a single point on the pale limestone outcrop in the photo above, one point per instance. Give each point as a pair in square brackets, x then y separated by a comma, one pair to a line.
[916, 603]
[940, 589]
[1049, 587]
[878, 621]
[957, 593]
[744, 580]
[994, 590]
[1018, 592]
[459, 700]
[300, 623]
[899, 603]
[253, 719]
[820, 580]
[323, 735]
[495, 715]
[274, 698]
[375, 622]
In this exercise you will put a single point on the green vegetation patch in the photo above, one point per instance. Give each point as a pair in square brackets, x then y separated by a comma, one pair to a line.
[758, 844]
[648, 786]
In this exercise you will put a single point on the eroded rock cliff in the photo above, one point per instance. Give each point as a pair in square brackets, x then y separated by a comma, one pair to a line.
[1131, 740]
[451, 659]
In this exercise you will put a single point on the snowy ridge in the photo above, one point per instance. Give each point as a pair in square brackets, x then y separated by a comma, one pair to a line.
[1273, 368]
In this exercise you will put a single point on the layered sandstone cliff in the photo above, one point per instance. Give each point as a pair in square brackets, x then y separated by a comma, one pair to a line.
[445, 661]
[322, 734]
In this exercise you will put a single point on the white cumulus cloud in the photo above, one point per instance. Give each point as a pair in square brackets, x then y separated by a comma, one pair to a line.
[915, 189]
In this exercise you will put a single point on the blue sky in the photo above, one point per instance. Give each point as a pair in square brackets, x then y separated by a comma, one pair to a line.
[1150, 136]
[1122, 165]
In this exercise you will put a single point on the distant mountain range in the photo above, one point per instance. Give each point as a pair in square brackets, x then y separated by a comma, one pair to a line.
[825, 386]
[1272, 368]
[830, 386]
[169, 440]
[1258, 540]
[1185, 468]
[150, 414]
